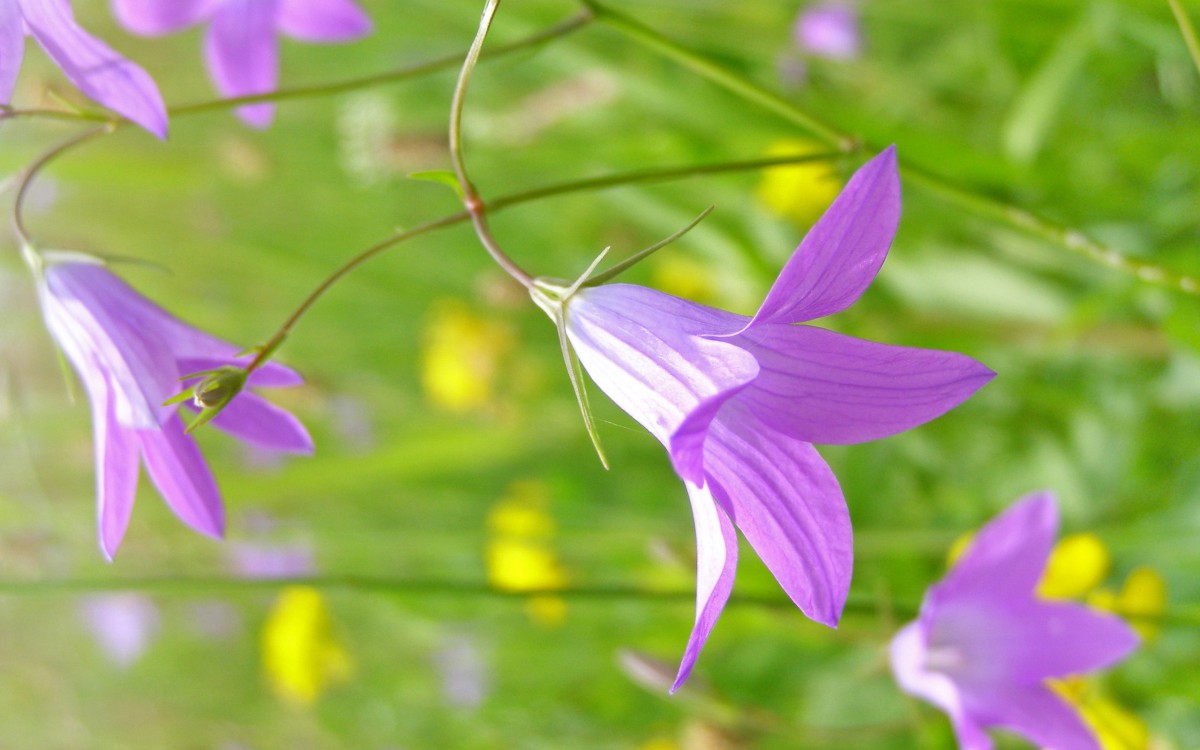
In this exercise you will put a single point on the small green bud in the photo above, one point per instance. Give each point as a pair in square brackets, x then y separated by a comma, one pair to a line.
[219, 388]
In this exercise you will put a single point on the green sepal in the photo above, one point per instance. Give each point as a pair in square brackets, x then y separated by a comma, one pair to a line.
[440, 176]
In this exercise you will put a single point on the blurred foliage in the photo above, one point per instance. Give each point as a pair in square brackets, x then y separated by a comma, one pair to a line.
[1083, 111]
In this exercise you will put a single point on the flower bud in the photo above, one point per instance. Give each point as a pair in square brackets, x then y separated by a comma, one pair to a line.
[219, 388]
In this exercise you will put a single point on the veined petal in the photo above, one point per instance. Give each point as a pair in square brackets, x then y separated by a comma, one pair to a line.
[178, 470]
[785, 499]
[322, 20]
[243, 54]
[823, 387]
[94, 67]
[117, 453]
[843, 251]
[638, 347]
[1005, 559]
[1064, 639]
[256, 421]
[86, 309]
[12, 47]
[155, 17]
[716, 564]
[1036, 713]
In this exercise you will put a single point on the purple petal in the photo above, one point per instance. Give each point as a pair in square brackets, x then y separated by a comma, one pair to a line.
[90, 312]
[117, 454]
[1037, 714]
[323, 20]
[12, 47]
[94, 67]
[1005, 559]
[843, 251]
[254, 420]
[1067, 639]
[639, 347]
[156, 17]
[822, 387]
[178, 470]
[716, 564]
[243, 54]
[787, 502]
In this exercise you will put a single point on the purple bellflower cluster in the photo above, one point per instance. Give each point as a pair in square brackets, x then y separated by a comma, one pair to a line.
[131, 356]
[89, 63]
[241, 46]
[739, 401]
[985, 644]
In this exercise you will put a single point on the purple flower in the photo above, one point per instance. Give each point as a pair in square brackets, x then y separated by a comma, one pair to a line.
[738, 401]
[123, 624]
[242, 43]
[985, 645]
[828, 30]
[91, 64]
[130, 355]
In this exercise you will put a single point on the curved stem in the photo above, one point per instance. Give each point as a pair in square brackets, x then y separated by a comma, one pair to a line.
[472, 201]
[32, 171]
[515, 199]
[1062, 236]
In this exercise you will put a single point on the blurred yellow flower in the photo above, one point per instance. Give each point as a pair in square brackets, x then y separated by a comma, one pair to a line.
[1078, 564]
[461, 354]
[659, 743]
[1142, 600]
[1116, 728]
[300, 654]
[684, 277]
[519, 556]
[800, 192]
[958, 548]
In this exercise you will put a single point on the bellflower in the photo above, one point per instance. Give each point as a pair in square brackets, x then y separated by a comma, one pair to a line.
[89, 63]
[739, 401]
[241, 47]
[828, 30]
[985, 644]
[131, 355]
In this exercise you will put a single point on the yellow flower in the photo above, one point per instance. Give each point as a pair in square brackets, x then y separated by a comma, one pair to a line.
[800, 192]
[1116, 728]
[518, 554]
[1142, 600]
[460, 357]
[684, 277]
[300, 655]
[1078, 564]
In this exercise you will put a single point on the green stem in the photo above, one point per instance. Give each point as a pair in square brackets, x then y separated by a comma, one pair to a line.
[1188, 30]
[32, 171]
[1064, 237]
[471, 199]
[446, 62]
[515, 199]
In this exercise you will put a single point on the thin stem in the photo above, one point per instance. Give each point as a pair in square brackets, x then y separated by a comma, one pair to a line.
[1056, 234]
[1188, 30]
[515, 199]
[32, 171]
[446, 62]
[471, 199]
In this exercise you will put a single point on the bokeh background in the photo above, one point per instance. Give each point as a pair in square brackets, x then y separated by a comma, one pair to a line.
[452, 470]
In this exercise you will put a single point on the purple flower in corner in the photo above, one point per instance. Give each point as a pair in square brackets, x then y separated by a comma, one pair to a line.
[739, 401]
[985, 645]
[242, 43]
[131, 355]
[89, 63]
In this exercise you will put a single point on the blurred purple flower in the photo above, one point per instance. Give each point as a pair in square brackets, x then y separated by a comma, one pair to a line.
[985, 645]
[130, 355]
[272, 561]
[123, 624]
[242, 43]
[828, 30]
[463, 670]
[737, 402]
[89, 63]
